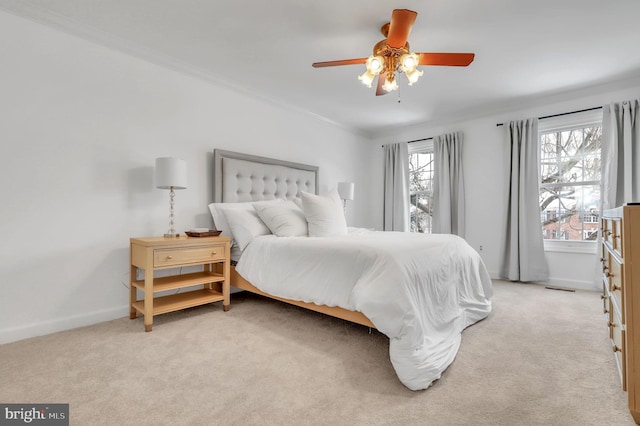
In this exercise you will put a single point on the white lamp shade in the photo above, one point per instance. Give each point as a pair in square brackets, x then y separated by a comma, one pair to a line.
[171, 172]
[345, 190]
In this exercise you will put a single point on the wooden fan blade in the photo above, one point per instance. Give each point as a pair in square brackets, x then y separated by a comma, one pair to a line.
[381, 78]
[400, 26]
[342, 62]
[446, 59]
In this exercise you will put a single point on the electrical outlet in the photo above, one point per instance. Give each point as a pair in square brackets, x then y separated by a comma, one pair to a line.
[481, 248]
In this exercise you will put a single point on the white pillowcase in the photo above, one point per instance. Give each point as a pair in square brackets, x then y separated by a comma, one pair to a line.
[220, 222]
[284, 219]
[324, 214]
[245, 225]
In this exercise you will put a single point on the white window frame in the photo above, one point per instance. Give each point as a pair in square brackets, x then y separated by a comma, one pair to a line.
[421, 147]
[569, 122]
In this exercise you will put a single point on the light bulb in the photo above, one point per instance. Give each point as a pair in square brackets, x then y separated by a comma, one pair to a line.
[390, 85]
[374, 64]
[413, 76]
[409, 62]
[366, 78]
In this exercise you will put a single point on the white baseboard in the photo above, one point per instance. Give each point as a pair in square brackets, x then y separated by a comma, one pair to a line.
[561, 282]
[572, 284]
[8, 335]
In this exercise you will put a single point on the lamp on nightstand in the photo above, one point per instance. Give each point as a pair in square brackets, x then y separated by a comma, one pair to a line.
[345, 191]
[171, 173]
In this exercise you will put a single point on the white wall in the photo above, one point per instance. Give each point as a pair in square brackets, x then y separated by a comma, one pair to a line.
[81, 127]
[485, 158]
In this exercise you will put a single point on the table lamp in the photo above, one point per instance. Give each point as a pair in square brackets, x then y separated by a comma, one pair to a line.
[171, 173]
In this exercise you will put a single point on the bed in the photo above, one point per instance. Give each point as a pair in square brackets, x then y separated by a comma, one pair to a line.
[419, 290]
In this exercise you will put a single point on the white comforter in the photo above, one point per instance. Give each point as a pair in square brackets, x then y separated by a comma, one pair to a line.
[420, 290]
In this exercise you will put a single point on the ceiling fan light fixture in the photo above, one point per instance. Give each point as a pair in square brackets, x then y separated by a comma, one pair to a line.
[413, 76]
[375, 64]
[390, 84]
[409, 62]
[367, 78]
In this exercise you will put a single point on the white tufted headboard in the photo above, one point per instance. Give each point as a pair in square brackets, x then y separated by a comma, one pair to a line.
[241, 177]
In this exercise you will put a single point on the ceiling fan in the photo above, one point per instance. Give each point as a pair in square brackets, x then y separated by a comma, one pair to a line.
[392, 55]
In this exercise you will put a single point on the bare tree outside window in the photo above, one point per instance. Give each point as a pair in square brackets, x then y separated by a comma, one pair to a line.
[570, 183]
[421, 191]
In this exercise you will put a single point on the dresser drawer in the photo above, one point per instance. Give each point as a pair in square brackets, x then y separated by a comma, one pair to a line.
[186, 255]
[618, 345]
[605, 297]
[615, 237]
[616, 288]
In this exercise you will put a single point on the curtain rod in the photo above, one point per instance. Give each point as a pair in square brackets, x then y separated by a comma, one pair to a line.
[418, 140]
[561, 114]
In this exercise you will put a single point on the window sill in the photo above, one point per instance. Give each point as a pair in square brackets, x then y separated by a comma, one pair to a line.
[583, 247]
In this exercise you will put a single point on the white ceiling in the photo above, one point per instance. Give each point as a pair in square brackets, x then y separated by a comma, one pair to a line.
[524, 49]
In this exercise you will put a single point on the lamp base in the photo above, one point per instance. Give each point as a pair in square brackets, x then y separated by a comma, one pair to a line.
[172, 235]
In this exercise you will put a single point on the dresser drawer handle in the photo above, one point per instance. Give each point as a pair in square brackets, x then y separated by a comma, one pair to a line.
[603, 297]
[612, 324]
[617, 348]
[616, 287]
[609, 274]
[602, 259]
[608, 233]
[169, 257]
[605, 310]
[604, 268]
[213, 253]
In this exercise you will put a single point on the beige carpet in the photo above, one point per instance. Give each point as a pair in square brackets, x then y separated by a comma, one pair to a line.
[541, 358]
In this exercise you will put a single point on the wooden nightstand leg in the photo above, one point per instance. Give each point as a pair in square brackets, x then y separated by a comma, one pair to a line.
[132, 293]
[148, 296]
[226, 307]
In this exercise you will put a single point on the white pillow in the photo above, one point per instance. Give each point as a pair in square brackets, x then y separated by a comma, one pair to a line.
[324, 214]
[284, 219]
[245, 225]
[220, 222]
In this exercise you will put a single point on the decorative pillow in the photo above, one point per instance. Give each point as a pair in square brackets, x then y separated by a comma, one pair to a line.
[284, 219]
[324, 214]
[245, 225]
[220, 222]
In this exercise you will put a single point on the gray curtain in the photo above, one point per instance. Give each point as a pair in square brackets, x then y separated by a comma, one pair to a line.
[448, 185]
[524, 258]
[620, 154]
[396, 187]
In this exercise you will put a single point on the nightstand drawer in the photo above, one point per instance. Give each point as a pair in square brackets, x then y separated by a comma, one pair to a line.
[181, 256]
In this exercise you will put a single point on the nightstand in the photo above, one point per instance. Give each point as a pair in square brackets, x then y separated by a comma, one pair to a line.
[157, 253]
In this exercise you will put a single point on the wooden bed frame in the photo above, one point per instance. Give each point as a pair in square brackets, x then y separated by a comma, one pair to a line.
[237, 280]
[334, 311]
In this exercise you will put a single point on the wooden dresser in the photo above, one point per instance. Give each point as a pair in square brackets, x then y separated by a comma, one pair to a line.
[621, 295]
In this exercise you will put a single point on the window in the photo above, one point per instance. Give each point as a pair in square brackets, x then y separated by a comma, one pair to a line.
[570, 173]
[421, 185]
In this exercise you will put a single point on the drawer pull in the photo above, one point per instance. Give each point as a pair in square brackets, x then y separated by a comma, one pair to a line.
[612, 324]
[604, 268]
[605, 310]
[608, 233]
[603, 297]
[616, 287]
[602, 259]
[609, 274]
[213, 253]
[169, 257]
[617, 348]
